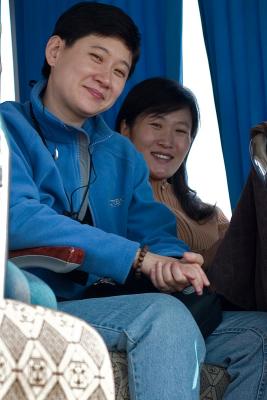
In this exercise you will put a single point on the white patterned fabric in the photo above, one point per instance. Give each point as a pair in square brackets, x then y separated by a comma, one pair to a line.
[49, 355]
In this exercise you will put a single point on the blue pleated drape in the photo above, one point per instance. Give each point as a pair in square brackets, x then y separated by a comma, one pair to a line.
[235, 33]
[160, 23]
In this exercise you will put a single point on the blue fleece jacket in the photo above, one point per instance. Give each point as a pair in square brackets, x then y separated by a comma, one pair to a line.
[124, 214]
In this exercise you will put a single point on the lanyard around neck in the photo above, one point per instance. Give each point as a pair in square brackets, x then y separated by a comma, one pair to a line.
[83, 206]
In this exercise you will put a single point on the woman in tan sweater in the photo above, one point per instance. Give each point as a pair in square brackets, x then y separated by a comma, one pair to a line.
[161, 118]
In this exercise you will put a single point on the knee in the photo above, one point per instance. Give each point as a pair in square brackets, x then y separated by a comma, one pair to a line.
[166, 323]
[16, 284]
[174, 320]
[40, 293]
[173, 312]
[168, 315]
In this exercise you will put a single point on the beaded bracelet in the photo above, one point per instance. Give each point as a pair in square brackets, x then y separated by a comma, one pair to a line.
[139, 262]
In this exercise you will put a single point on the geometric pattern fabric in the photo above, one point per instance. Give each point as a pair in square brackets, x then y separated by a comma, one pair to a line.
[213, 379]
[49, 355]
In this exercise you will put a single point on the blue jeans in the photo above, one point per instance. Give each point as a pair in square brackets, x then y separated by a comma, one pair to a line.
[164, 347]
[162, 341]
[240, 345]
[28, 288]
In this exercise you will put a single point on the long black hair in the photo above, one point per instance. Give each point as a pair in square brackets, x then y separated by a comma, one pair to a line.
[159, 96]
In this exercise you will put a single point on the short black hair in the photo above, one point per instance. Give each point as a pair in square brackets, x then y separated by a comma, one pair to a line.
[88, 18]
[159, 96]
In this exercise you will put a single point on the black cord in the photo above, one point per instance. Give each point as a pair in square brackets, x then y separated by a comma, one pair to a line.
[72, 214]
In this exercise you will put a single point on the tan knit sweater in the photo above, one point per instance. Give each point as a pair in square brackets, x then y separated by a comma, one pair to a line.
[202, 237]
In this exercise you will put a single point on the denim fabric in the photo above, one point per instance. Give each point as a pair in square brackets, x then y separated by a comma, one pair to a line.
[162, 341]
[28, 288]
[240, 344]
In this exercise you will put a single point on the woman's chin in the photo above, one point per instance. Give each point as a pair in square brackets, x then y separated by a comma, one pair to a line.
[158, 176]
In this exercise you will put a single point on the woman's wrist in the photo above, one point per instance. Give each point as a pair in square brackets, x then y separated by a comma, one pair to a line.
[138, 262]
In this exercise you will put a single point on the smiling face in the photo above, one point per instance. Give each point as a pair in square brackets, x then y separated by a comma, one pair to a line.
[86, 78]
[163, 139]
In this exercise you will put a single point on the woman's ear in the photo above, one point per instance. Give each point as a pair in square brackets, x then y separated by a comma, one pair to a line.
[53, 49]
[124, 129]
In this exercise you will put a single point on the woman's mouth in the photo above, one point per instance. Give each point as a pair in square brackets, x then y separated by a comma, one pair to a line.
[95, 93]
[160, 156]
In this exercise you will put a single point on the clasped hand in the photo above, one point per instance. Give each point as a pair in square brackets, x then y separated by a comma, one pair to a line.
[170, 275]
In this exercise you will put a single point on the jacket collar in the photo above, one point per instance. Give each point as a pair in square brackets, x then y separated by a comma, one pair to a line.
[56, 130]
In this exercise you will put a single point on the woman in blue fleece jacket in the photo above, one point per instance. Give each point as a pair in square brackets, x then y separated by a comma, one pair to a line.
[76, 182]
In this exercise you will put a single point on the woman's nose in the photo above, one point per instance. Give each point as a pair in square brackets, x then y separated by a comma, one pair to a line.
[103, 76]
[166, 138]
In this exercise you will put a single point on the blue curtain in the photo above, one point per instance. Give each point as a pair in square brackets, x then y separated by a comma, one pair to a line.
[235, 33]
[160, 23]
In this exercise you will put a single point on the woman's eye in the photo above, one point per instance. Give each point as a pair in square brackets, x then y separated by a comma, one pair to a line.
[120, 73]
[181, 132]
[155, 125]
[96, 57]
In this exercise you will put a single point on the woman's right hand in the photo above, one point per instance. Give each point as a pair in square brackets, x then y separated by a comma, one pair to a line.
[171, 275]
